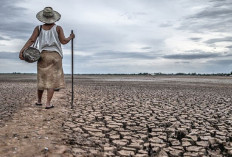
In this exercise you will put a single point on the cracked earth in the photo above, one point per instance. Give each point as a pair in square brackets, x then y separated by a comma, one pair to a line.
[119, 116]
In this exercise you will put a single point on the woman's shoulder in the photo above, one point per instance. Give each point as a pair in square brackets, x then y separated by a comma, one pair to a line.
[58, 28]
[37, 28]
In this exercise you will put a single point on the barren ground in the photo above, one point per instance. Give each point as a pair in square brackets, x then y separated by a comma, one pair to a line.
[118, 116]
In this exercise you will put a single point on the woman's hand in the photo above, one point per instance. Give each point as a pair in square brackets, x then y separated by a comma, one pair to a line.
[72, 36]
[21, 55]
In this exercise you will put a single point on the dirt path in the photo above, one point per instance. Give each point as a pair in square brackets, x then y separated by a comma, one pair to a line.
[35, 131]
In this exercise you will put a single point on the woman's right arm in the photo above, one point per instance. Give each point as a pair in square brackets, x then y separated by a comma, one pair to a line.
[31, 40]
[62, 38]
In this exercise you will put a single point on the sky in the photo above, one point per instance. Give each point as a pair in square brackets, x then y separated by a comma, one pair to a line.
[126, 36]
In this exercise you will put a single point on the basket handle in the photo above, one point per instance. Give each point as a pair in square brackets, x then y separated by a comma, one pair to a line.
[36, 42]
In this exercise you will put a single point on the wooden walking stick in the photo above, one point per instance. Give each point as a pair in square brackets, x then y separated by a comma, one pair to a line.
[72, 71]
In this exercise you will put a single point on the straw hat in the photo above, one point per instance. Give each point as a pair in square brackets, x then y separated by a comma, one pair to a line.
[48, 15]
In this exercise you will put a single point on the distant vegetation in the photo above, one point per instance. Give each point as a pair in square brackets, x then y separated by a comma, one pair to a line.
[192, 74]
[18, 73]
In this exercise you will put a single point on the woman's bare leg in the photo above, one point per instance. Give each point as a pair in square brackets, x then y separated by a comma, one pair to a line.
[50, 93]
[40, 94]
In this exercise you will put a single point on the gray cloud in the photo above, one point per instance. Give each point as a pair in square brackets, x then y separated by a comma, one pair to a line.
[195, 39]
[9, 55]
[130, 55]
[221, 3]
[146, 48]
[184, 62]
[216, 17]
[3, 38]
[15, 24]
[192, 56]
[166, 25]
[214, 13]
[216, 40]
[21, 30]
[9, 10]
[222, 62]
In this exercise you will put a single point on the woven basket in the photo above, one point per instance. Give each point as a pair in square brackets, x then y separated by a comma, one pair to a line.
[31, 55]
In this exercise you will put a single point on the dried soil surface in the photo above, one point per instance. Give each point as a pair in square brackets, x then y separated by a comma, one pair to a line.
[28, 130]
[119, 116]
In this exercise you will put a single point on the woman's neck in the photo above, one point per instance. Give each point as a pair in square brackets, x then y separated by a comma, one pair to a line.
[51, 24]
[48, 26]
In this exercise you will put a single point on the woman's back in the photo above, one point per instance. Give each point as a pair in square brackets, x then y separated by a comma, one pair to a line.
[49, 39]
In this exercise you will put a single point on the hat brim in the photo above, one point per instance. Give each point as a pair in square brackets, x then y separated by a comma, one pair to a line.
[47, 20]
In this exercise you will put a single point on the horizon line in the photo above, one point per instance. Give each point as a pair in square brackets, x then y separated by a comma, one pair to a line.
[141, 73]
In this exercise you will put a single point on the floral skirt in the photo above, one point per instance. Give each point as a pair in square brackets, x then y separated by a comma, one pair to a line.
[50, 73]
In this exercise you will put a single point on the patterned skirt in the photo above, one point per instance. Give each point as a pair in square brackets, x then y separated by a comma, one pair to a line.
[50, 73]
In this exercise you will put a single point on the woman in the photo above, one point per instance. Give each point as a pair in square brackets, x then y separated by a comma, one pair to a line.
[50, 74]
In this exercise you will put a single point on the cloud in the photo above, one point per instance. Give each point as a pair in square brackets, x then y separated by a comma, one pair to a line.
[166, 25]
[195, 39]
[146, 48]
[3, 38]
[14, 20]
[230, 47]
[214, 13]
[216, 17]
[9, 10]
[130, 55]
[184, 62]
[221, 62]
[9, 55]
[21, 30]
[114, 36]
[216, 40]
[192, 56]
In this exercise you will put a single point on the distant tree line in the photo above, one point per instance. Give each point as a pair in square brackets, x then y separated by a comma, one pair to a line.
[192, 74]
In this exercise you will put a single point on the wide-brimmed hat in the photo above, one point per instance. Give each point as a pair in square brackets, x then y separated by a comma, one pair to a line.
[48, 15]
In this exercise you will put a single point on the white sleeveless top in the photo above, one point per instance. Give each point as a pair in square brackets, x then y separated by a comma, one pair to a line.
[48, 40]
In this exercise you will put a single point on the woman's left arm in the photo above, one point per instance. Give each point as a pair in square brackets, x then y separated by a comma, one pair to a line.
[31, 40]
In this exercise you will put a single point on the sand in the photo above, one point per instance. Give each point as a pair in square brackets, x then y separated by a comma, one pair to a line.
[119, 116]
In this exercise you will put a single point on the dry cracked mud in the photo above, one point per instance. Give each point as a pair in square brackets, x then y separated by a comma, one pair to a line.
[133, 116]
